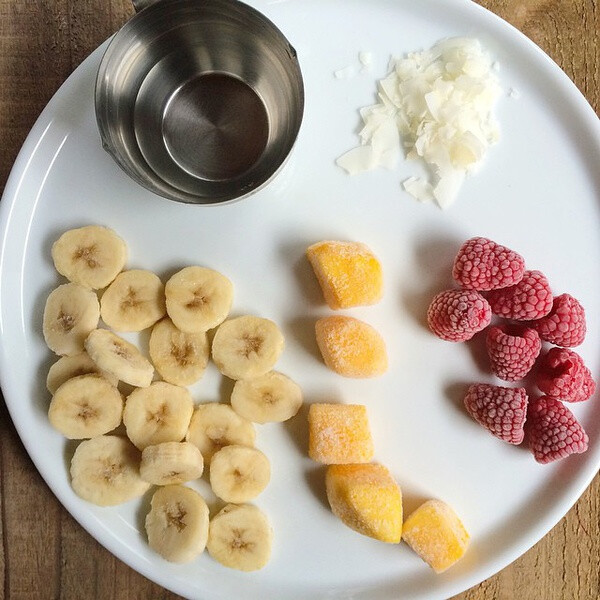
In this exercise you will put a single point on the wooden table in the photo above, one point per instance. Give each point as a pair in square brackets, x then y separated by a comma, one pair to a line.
[45, 553]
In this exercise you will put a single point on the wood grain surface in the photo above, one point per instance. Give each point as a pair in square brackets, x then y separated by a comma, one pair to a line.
[44, 552]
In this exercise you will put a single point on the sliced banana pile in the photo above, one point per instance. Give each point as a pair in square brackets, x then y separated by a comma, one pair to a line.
[169, 441]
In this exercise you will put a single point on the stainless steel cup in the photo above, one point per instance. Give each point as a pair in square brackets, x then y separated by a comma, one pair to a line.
[199, 101]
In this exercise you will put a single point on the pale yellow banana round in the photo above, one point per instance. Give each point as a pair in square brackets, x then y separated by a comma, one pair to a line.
[177, 524]
[119, 357]
[239, 473]
[171, 463]
[269, 398]
[86, 406]
[198, 299]
[71, 312]
[179, 357]
[92, 255]
[247, 347]
[67, 367]
[106, 471]
[134, 301]
[216, 425]
[240, 537]
[158, 413]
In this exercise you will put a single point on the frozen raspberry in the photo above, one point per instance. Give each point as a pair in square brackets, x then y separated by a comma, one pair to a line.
[587, 388]
[565, 324]
[529, 299]
[482, 264]
[457, 315]
[501, 410]
[512, 350]
[552, 431]
[562, 374]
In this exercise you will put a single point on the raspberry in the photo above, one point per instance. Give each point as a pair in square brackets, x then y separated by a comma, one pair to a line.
[588, 386]
[529, 299]
[552, 431]
[501, 410]
[565, 324]
[512, 350]
[457, 315]
[482, 264]
[562, 374]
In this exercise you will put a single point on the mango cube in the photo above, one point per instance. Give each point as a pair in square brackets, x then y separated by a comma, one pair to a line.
[436, 534]
[367, 499]
[339, 434]
[351, 347]
[348, 272]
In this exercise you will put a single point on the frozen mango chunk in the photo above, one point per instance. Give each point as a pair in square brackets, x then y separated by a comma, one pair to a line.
[436, 534]
[351, 347]
[367, 499]
[348, 272]
[339, 434]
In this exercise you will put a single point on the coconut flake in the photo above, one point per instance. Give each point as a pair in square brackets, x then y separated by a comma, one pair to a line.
[365, 58]
[357, 160]
[419, 188]
[436, 106]
[345, 73]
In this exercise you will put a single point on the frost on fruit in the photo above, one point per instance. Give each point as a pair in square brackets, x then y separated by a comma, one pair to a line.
[436, 534]
[348, 272]
[367, 499]
[351, 347]
[339, 434]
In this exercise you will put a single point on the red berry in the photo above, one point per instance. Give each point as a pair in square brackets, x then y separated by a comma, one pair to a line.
[482, 264]
[527, 300]
[457, 315]
[552, 431]
[501, 410]
[587, 388]
[562, 374]
[512, 350]
[565, 324]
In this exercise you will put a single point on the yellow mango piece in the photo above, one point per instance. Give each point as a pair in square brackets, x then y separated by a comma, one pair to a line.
[339, 434]
[351, 347]
[367, 499]
[436, 534]
[348, 272]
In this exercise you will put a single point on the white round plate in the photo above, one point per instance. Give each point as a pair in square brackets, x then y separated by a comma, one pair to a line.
[538, 193]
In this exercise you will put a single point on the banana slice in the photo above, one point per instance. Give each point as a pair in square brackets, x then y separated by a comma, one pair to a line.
[71, 312]
[86, 406]
[247, 347]
[216, 425]
[270, 398]
[134, 301]
[119, 358]
[92, 256]
[177, 524]
[240, 537]
[158, 413]
[67, 367]
[105, 471]
[198, 299]
[170, 463]
[179, 357]
[239, 473]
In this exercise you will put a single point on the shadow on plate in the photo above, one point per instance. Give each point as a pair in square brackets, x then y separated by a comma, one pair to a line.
[434, 259]
[315, 479]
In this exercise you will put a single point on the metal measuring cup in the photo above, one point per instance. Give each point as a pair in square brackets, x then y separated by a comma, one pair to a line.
[199, 101]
